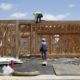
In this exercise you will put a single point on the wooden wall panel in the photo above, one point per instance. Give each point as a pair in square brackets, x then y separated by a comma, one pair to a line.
[12, 32]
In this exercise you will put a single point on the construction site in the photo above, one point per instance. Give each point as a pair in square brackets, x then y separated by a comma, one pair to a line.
[21, 38]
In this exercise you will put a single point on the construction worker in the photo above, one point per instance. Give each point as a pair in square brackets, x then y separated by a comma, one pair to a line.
[38, 16]
[43, 50]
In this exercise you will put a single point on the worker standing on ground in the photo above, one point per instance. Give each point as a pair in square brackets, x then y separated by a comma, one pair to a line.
[43, 50]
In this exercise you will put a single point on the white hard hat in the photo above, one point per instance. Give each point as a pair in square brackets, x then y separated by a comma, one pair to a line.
[44, 39]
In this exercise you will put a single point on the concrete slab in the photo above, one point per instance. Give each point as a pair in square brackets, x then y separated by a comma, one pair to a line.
[66, 69]
[34, 65]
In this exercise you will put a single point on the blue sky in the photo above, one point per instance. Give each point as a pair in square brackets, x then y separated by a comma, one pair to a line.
[51, 9]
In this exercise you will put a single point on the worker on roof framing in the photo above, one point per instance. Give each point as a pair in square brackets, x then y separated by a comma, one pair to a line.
[38, 16]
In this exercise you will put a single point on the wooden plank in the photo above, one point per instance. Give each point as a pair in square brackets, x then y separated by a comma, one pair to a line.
[31, 38]
[17, 37]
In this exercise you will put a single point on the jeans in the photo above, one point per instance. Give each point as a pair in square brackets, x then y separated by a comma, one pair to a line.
[43, 55]
[38, 20]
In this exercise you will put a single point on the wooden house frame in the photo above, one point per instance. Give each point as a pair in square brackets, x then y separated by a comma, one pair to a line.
[23, 38]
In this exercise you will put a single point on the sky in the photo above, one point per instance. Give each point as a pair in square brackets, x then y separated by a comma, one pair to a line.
[51, 9]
